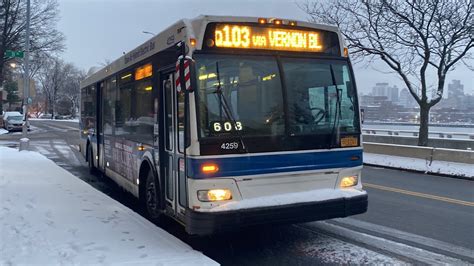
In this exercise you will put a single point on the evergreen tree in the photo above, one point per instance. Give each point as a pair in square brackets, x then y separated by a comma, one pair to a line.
[11, 88]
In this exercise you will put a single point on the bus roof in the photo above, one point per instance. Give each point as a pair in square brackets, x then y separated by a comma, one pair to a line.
[182, 30]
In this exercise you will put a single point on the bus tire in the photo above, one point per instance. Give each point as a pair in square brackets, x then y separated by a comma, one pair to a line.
[151, 200]
[90, 161]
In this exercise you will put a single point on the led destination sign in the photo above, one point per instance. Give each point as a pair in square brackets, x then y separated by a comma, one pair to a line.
[270, 38]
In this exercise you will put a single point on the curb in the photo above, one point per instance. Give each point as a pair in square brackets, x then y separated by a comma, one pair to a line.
[421, 172]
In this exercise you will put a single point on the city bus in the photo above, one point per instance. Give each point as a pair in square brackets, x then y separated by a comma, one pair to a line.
[223, 123]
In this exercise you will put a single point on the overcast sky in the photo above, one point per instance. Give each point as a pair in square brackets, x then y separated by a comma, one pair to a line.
[99, 30]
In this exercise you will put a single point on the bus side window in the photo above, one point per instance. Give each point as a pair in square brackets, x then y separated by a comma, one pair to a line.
[181, 124]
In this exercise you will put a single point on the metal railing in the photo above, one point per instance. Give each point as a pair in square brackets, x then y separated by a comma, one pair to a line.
[414, 133]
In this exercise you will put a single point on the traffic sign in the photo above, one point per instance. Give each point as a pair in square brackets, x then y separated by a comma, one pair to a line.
[12, 54]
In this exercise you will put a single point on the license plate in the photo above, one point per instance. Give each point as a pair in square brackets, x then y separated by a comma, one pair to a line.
[349, 142]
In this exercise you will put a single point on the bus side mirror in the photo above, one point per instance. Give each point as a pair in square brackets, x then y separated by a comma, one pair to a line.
[185, 83]
[185, 71]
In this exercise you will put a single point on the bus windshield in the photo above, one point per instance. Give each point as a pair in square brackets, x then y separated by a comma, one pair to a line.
[313, 97]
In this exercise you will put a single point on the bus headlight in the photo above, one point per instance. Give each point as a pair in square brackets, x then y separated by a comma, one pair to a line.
[214, 195]
[349, 181]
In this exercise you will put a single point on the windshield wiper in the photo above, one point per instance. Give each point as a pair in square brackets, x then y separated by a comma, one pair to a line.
[227, 110]
[337, 114]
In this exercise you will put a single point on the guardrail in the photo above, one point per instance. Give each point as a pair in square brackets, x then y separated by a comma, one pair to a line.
[427, 153]
[391, 132]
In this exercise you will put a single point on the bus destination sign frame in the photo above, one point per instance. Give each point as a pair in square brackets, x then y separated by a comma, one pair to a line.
[271, 37]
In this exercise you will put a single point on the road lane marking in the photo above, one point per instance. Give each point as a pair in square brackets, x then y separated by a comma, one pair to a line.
[421, 195]
[425, 243]
[414, 255]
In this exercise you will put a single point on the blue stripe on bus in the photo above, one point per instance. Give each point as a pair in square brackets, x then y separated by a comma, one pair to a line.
[267, 164]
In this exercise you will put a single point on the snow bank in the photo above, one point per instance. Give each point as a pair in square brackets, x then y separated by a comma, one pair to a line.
[75, 120]
[48, 217]
[285, 199]
[436, 167]
[3, 131]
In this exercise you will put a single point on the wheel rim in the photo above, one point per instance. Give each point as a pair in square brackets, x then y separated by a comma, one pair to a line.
[90, 159]
[151, 198]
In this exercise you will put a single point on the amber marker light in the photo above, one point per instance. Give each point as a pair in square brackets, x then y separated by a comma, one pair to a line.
[141, 147]
[278, 22]
[192, 41]
[349, 181]
[346, 52]
[209, 168]
[292, 23]
[262, 20]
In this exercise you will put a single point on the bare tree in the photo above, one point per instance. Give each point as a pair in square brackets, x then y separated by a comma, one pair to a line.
[416, 39]
[60, 85]
[44, 37]
[51, 78]
[70, 91]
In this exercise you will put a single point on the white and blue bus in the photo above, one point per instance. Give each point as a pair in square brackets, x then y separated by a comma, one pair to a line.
[227, 122]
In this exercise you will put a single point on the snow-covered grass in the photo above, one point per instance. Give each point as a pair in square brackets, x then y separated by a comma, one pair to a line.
[50, 217]
[436, 167]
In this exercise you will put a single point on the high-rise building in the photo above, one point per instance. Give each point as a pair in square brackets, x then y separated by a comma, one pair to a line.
[393, 96]
[383, 89]
[406, 99]
[455, 89]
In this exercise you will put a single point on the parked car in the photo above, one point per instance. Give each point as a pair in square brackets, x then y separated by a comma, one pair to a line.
[13, 121]
[45, 116]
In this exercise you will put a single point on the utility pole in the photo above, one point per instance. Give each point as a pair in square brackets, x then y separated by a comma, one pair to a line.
[26, 92]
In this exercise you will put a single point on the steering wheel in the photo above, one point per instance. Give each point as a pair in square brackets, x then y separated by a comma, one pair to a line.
[320, 114]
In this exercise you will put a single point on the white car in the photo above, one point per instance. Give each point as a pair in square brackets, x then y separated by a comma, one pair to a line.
[10, 113]
[13, 121]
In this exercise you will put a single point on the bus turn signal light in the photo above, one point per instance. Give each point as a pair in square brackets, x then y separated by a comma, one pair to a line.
[214, 195]
[346, 52]
[349, 181]
[210, 168]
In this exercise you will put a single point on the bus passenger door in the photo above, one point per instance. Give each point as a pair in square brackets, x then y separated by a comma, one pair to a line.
[175, 180]
[100, 123]
[169, 132]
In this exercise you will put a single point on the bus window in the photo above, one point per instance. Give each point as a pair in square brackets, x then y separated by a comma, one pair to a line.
[180, 124]
[108, 104]
[142, 112]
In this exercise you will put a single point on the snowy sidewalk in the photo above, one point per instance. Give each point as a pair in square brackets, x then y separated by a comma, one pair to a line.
[49, 217]
[434, 167]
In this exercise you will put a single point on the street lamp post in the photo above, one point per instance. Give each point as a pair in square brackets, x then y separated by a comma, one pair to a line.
[26, 91]
[147, 32]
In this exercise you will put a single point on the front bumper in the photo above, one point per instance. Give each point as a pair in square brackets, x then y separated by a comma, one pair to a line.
[204, 223]
[14, 127]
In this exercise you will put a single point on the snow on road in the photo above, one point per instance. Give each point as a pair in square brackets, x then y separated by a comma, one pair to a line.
[76, 120]
[48, 216]
[437, 167]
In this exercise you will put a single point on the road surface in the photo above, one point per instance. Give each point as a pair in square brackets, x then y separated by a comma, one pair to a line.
[412, 217]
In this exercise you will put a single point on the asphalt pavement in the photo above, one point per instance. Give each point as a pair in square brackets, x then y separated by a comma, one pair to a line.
[414, 210]
[437, 207]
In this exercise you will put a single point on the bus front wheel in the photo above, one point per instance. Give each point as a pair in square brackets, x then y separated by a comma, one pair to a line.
[90, 161]
[151, 198]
